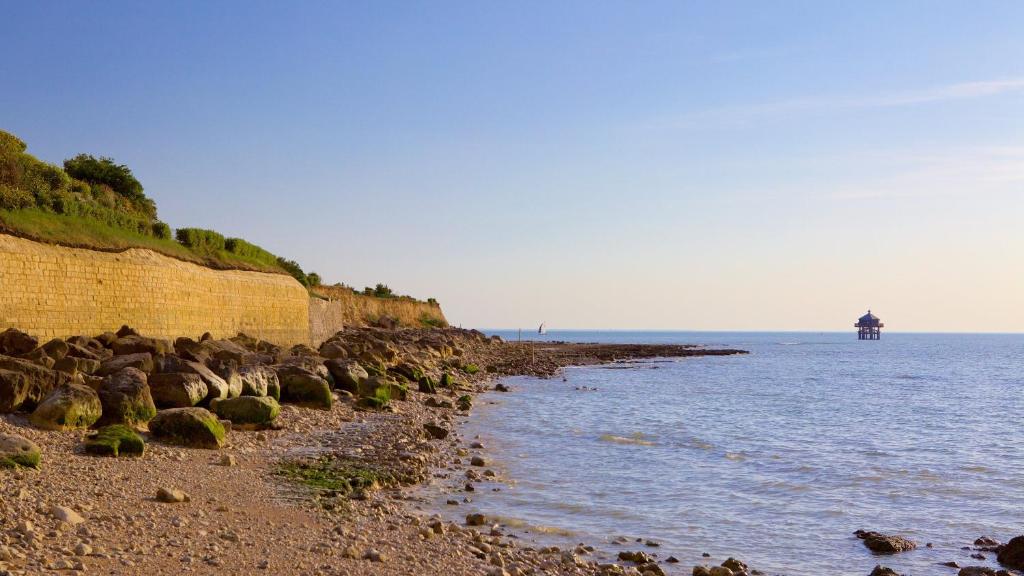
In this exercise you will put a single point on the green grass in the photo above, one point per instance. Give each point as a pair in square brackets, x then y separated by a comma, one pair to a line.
[82, 232]
[470, 368]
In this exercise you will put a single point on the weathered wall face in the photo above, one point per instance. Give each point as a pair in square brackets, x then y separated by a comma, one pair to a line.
[52, 291]
[345, 308]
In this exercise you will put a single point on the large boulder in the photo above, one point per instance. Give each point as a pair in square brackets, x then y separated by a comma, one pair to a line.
[142, 361]
[216, 387]
[334, 350]
[1012, 554]
[80, 351]
[192, 427]
[14, 342]
[18, 451]
[115, 440]
[247, 412]
[347, 374]
[228, 371]
[126, 399]
[134, 344]
[68, 407]
[177, 389]
[259, 380]
[302, 387]
[55, 349]
[24, 384]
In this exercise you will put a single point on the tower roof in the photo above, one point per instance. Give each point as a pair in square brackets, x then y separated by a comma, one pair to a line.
[869, 317]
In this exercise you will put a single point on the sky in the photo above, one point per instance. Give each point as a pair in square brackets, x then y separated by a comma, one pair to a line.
[711, 165]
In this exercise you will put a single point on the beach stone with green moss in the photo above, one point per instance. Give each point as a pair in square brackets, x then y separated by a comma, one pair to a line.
[18, 451]
[259, 380]
[115, 440]
[192, 427]
[302, 387]
[126, 398]
[347, 374]
[68, 407]
[247, 411]
[427, 385]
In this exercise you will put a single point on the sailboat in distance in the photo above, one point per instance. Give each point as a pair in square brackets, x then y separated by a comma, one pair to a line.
[542, 330]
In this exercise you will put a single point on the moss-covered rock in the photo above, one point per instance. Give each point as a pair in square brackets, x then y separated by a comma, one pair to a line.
[259, 380]
[464, 402]
[247, 411]
[192, 427]
[347, 374]
[302, 387]
[177, 389]
[18, 451]
[142, 361]
[115, 440]
[427, 385]
[126, 399]
[447, 381]
[68, 407]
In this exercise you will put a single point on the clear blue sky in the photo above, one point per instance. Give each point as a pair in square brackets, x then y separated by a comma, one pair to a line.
[703, 165]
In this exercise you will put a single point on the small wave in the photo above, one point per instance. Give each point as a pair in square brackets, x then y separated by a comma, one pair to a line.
[789, 343]
[637, 438]
[909, 377]
[735, 456]
[526, 526]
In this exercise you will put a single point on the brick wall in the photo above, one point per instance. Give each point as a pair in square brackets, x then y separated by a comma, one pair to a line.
[52, 291]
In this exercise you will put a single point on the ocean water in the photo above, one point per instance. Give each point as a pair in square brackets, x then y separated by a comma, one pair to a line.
[775, 457]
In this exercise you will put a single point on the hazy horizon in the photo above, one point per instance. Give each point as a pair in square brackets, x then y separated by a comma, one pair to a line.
[659, 166]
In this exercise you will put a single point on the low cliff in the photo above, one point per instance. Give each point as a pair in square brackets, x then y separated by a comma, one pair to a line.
[54, 291]
[333, 308]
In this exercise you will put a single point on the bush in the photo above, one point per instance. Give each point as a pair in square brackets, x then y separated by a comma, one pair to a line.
[201, 241]
[12, 198]
[118, 177]
[314, 279]
[249, 251]
[161, 231]
[380, 291]
[294, 269]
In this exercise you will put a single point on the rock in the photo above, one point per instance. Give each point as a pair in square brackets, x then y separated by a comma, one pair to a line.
[436, 431]
[735, 565]
[56, 349]
[501, 388]
[1012, 554]
[333, 350]
[427, 385]
[635, 557]
[14, 342]
[135, 344]
[18, 451]
[347, 374]
[701, 571]
[193, 427]
[228, 460]
[216, 387]
[68, 407]
[475, 520]
[177, 389]
[259, 380]
[83, 549]
[720, 571]
[302, 387]
[115, 440]
[24, 384]
[477, 461]
[66, 515]
[171, 496]
[883, 571]
[72, 365]
[975, 571]
[126, 399]
[987, 544]
[883, 544]
[142, 361]
[464, 403]
[375, 556]
[247, 411]
[228, 371]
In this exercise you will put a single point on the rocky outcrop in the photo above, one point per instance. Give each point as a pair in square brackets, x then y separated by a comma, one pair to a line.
[14, 342]
[1012, 554]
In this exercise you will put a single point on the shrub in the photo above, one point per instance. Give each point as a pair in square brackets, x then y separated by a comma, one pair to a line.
[161, 230]
[117, 176]
[432, 301]
[201, 241]
[12, 198]
[294, 269]
[314, 279]
[250, 251]
[380, 291]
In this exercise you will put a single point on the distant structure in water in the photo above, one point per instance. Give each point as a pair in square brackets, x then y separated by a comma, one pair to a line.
[869, 327]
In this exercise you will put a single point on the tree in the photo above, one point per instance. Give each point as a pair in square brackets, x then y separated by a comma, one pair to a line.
[118, 177]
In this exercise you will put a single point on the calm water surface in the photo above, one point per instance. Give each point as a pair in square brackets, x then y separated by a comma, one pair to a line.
[775, 457]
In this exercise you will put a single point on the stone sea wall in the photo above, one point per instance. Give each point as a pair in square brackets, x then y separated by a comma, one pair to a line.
[339, 307]
[53, 291]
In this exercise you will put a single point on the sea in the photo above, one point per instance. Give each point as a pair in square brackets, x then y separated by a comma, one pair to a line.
[775, 457]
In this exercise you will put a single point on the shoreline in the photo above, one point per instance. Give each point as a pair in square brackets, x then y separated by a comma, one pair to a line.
[252, 516]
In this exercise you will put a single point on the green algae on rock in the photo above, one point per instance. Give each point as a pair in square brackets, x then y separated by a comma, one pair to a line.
[18, 451]
[192, 427]
[115, 440]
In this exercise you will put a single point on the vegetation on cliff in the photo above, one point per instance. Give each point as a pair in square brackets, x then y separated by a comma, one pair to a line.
[97, 203]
